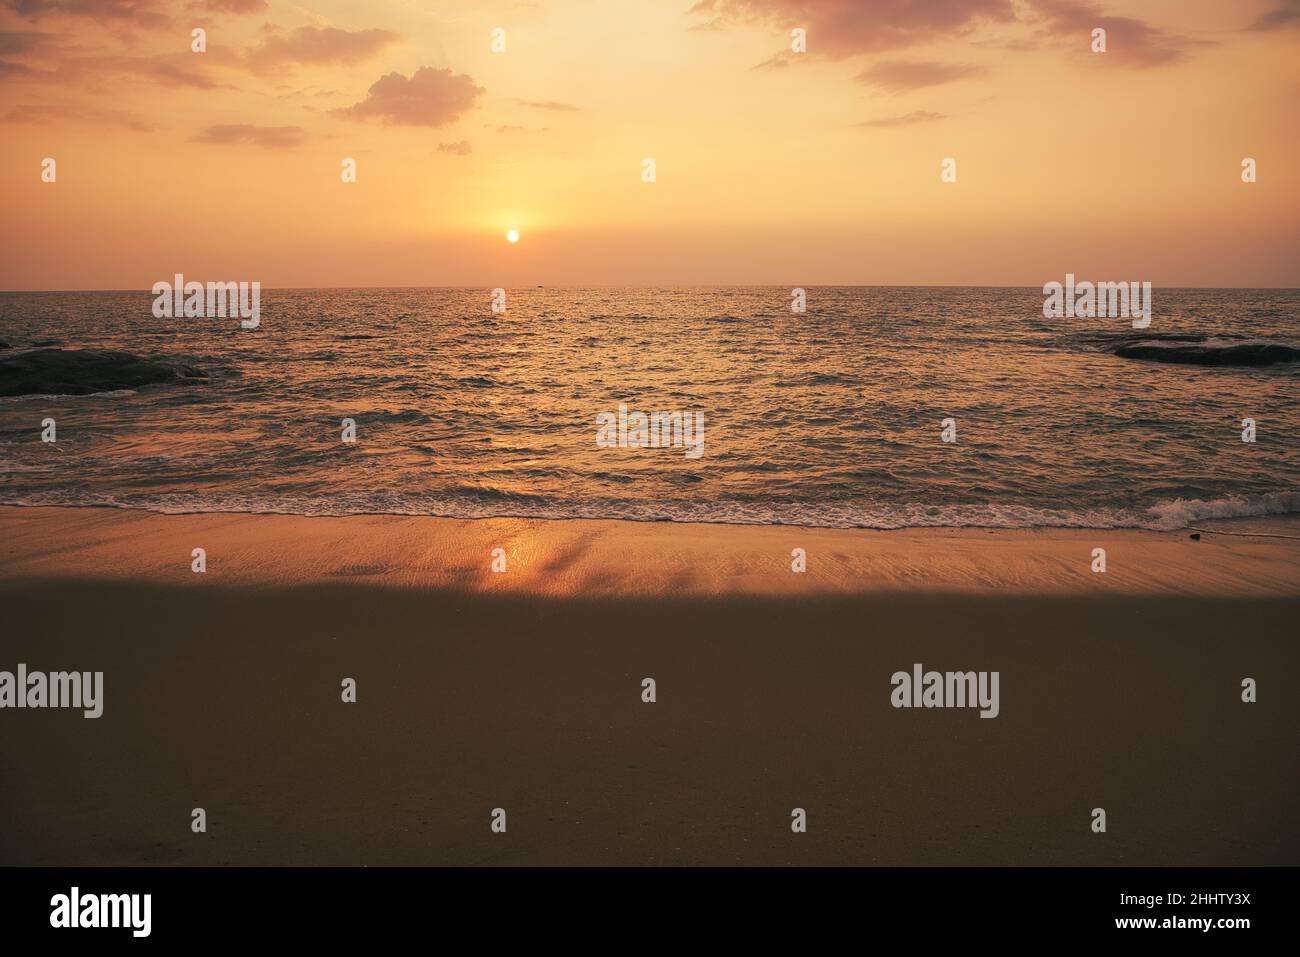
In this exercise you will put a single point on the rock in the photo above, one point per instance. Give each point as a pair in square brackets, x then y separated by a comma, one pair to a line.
[1195, 536]
[83, 371]
[1203, 351]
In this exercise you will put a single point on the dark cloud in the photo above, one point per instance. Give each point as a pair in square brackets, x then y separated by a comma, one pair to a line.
[175, 70]
[147, 13]
[23, 41]
[907, 119]
[53, 64]
[150, 14]
[18, 43]
[1286, 15]
[913, 75]
[271, 137]
[428, 97]
[234, 6]
[1129, 42]
[840, 28]
[313, 46]
[29, 113]
[548, 105]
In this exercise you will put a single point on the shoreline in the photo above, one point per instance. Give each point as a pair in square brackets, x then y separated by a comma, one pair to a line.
[611, 557]
[1289, 518]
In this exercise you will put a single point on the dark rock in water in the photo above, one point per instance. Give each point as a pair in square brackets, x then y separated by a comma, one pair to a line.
[1195, 536]
[47, 342]
[4, 345]
[83, 371]
[1203, 351]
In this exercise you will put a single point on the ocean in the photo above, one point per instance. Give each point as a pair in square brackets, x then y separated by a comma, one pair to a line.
[833, 417]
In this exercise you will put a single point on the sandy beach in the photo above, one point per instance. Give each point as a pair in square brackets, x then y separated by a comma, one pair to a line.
[522, 690]
[586, 559]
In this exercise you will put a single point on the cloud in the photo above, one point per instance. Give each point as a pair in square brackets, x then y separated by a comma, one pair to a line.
[23, 41]
[843, 29]
[907, 119]
[30, 113]
[460, 149]
[548, 105]
[271, 137]
[173, 71]
[314, 46]
[778, 62]
[100, 72]
[914, 75]
[18, 43]
[130, 14]
[148, 13]
[72, 59]
[1129, 42]
[428, 98]
[708, 26]
[1286, 15]
[234, 6]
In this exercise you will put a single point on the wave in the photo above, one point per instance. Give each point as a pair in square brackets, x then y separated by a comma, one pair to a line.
[1169, 515]
[479, 382]
[1183, 512]
[46, 397]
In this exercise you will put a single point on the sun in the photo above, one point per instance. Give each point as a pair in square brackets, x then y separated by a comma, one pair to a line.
[512, 236]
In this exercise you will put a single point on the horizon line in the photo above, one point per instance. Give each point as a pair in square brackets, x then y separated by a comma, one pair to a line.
[149, 292]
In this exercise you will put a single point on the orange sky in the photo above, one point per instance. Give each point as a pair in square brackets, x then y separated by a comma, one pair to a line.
[772, 166]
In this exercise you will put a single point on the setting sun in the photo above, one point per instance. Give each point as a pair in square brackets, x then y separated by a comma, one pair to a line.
[512, 236]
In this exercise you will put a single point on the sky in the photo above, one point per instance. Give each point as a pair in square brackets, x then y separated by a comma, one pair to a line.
[771, 165]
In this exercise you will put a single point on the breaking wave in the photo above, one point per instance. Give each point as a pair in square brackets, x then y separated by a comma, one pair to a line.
[1163, 516]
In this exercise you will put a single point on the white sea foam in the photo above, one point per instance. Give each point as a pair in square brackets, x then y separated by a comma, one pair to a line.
[112, 394]
[1163, 516]
[1182, 512]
